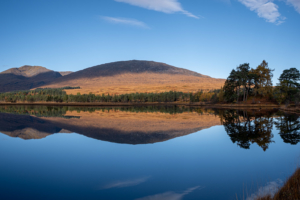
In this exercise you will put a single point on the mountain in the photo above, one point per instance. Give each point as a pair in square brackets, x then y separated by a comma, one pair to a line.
[113, 78]
[27, 71]
[135, 76]
[27, 77]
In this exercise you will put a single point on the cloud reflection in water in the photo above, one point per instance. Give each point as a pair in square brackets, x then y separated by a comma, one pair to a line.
[170, 195]
[125, 183]
[270, 189]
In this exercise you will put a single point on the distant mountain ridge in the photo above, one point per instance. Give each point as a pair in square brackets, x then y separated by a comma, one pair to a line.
[30, 71]
[26, 70]
[27, 77]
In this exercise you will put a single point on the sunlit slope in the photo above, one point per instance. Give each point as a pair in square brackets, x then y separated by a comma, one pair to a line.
[135, 76]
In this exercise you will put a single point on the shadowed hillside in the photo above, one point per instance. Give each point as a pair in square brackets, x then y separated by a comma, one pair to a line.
[136, 76]
[27, 77]
[12, 82]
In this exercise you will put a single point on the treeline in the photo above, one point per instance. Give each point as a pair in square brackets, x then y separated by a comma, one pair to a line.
[39, 94]
[244, 82]
[59, 95]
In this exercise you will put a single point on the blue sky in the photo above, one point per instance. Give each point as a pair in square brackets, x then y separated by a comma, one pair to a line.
[208, 36]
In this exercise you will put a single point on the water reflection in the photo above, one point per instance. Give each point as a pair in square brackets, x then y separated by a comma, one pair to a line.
[246, 128]
[170, 195]
[130, 125]
[289, 126]
[74, 166]
[148, 124]
[125, 183]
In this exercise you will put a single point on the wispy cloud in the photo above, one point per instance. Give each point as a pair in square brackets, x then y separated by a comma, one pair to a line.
[295, 3]
[270, 189]
[265, 9]
[169, 195]
[130, 22]
[125, 183]
[166, 6]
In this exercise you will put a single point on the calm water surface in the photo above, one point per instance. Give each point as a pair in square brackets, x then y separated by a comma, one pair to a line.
[146, 153]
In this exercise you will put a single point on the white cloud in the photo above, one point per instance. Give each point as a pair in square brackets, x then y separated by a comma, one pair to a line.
[169, 195]
[265, 9]
[295, 3]
[131, 22]
[166, 6]
[126, 183]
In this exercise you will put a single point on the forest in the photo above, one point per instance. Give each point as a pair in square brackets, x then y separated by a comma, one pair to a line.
[59, 95]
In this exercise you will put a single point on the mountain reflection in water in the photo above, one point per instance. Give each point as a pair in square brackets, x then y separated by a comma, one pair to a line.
[148, 124]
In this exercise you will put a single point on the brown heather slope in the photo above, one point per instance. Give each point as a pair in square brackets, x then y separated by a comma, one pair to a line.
[26, 77]
[135, 76]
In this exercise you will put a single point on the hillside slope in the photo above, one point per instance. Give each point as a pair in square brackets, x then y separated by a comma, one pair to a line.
[135, 76]
[27, 77]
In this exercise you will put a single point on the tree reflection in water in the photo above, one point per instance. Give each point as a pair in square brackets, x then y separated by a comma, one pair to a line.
[246, 128]
[289, 126]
